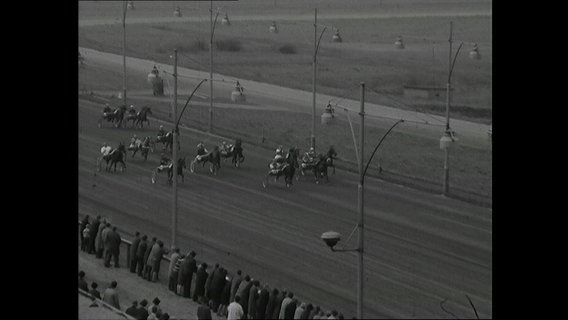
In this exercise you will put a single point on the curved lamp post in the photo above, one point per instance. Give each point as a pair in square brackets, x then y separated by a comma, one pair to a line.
[316, 47]
[174, 147]
[331, 238]
[124, 7]
[448, 136]
[212, 27]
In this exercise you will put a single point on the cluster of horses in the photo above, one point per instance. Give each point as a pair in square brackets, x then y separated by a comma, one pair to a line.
[319, 167]
[292, 167]
[116, 116]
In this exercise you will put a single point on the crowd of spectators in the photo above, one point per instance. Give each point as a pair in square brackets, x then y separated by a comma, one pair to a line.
[233, 296]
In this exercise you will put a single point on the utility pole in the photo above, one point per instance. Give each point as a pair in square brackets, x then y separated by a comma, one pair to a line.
[360, 202]
[446, 182]
[313, 136]
[211, 70]
[124, 6]
[175, 156]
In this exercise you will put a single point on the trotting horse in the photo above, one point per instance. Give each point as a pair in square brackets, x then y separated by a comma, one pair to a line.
[214, 157]
[113, 157]
[144, 148]
[115, 116]
[169, 169]
[142, 116]
[287, 170]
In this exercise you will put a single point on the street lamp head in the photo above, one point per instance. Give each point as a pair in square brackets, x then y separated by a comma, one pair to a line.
[331, 238]
[447, 139]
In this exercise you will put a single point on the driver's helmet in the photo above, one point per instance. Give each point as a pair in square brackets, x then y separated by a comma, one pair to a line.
[161, 127]
[312, 149]
[131, 106]
[134, 136]
[278, 158]
[224, 143]
[104, 144]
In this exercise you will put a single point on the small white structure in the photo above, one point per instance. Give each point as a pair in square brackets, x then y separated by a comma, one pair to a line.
[336, 37]
[237, 95]
[156, 81]
[177, 12]
[273, 28]
[225, 20]
[398, 43]
[130, 5]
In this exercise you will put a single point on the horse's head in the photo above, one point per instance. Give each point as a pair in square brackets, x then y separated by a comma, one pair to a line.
[121, 147]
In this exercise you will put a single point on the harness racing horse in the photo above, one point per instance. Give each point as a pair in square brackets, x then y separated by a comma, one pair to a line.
[169, 169]
[214, 157]
[167, 140]
[330, 155]
[235, 153]
[307, 165]
[142, 116]
[143, 147]
[320, 169]
[287, 170]
[113, 157]
[114, 116]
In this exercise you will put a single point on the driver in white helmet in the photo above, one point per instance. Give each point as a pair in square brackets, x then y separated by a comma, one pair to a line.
[105, 149]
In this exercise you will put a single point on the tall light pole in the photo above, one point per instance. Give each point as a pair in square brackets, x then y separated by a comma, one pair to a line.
[331, 237]
[316, 47]
[124, 7]
[212, 29]
[174, 156]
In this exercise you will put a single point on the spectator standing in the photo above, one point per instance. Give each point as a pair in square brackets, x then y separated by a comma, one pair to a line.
[110, 295]
[153, 312]
[146, 272]
[203, 310]
[132, 252]
[306, 313]
[270, 306]
[287, 300]
[86, 237]
[173, 269]
[112, 247]
[200, 279]
[156, 303]
[235, 285]
[94, 231]
[314, 312]
[217, 285]
[299, 310]
[208, 282]
[84, 223]
[187, 268]
[99, 246]
[131, 311]
[225, 297]
[142, 311]
[253, 299]
[290, 309]
[82, 283]
[94, 291]
[140, 254]
[263, 297]
[235, 310]
[154, 260]
[243, 292]
[104, 242]
[278, 304]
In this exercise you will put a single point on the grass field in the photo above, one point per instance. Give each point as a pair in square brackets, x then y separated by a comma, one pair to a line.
[367, 53]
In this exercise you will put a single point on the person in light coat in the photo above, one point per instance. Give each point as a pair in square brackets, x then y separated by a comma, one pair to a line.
[110, 295]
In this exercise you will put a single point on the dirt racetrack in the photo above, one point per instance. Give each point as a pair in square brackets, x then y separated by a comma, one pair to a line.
[419, 248]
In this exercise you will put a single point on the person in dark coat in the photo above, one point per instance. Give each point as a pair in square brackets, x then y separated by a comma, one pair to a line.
[133, 249]
[140, 255]
[185, 276]
[208, 282]
[225, 297]
[243, 292]
[314, 312]
[82, 283]
[204, 309]
[272, 300]
[253, 299]
[278, 303]
[217, 285]
[306, 313]
[290, 309]
[94, 230]
[112, 247]
[262, 302]
[84, 223]
[146, 271]
[200, 279]
[142, 311]
[132, 309]
[235, 285]
[94, 292]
